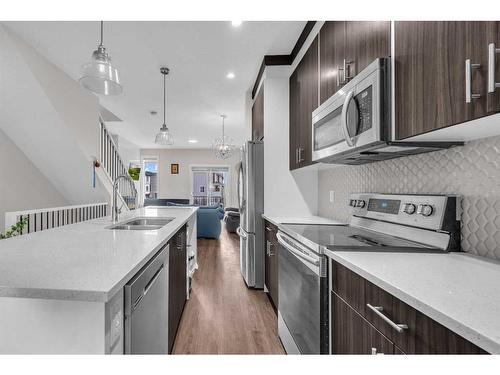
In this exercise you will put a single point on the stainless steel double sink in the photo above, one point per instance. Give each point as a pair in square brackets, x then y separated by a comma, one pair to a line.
[142, 223]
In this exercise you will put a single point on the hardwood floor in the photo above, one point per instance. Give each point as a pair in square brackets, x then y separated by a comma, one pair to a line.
[222, 315]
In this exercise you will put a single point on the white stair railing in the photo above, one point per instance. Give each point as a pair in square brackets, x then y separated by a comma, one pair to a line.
[112, 164]
[48, 218]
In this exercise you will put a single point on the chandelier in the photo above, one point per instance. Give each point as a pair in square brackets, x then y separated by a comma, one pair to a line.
[223, 146]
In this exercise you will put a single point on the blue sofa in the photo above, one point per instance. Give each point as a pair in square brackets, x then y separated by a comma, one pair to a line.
[208, 217]
[209, 221]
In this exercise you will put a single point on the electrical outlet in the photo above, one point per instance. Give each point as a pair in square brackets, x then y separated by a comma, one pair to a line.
[332, 196]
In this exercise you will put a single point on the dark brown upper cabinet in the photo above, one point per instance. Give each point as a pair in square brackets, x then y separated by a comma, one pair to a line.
[430, 74]
[332, 53]
[303, 101]
[258, 116]
[346, 48]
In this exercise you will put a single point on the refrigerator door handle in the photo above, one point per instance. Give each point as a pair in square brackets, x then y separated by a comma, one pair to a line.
[241, 233]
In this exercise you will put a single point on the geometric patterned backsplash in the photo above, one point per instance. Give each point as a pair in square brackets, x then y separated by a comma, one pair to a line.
[472, 171]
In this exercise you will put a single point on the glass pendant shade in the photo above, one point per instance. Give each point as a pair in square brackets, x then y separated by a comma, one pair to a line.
[164, 137]
[224, 146]
[99, 75]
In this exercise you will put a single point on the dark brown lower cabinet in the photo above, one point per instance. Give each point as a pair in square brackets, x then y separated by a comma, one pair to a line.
[177, 283]
[352, 313]
[271, 262]
[352, 334]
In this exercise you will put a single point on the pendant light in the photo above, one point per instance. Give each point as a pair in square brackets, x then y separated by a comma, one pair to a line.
[223, 146]
[164, 137]
[99, 75]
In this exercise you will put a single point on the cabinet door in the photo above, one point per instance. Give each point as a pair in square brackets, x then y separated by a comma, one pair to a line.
[271, 270]
[351, 334]
[294, 122]
[430, 79]
[332, 53]
[258, 116]
[365, 42]
[177, 283]
[303, 101]
[423, 335]
[426, 336]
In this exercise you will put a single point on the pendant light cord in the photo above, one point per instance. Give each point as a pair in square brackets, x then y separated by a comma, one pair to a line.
[102, 32]
[164, 105]
[223, 135]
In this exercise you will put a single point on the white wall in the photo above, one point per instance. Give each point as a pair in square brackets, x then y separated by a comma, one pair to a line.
[22, 186]
[179, 186]
[286, 193]
[50, 118]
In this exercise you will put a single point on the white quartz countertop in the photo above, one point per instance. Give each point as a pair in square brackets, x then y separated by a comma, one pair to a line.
[83, 261]
[277, 219]
[458, 290]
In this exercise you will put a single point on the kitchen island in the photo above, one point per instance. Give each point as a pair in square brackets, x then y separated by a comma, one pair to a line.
[61, 290]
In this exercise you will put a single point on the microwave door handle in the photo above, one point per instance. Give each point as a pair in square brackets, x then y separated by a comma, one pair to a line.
[347, 137]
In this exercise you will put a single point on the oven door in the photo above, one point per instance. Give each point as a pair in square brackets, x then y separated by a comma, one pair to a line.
[303, 302]
[351, 118]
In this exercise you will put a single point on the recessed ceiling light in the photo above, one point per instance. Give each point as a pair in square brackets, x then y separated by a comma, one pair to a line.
[193, 141]
[236, 23]
[230, 75]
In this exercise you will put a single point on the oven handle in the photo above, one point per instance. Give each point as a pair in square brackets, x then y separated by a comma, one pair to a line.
[299, 254]
[347, 137]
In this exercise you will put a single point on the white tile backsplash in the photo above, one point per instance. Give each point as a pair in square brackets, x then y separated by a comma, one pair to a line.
[471, 171]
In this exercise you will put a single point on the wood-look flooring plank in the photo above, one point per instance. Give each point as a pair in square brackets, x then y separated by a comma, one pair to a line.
[222, 315]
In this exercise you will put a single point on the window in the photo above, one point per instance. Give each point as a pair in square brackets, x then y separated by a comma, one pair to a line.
[209, 185]
[150, 180]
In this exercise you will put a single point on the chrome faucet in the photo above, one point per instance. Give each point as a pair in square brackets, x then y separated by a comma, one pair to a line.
[115, 211]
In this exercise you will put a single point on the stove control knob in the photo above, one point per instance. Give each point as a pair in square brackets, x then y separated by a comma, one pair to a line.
[425, 209]
[352, 203]
[360, 203]
[409, 208]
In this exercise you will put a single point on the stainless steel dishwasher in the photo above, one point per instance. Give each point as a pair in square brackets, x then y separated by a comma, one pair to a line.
[146, 308]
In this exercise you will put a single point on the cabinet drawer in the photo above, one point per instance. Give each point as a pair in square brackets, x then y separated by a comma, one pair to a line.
[352, 334]
[349, 286]
[388, 314]
[423, 335]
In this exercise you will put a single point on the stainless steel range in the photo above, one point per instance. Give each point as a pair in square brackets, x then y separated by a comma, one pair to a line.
[379, 222]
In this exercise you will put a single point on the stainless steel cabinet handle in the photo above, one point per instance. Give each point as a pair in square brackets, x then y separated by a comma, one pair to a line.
[378, 311]
[492, 51]
[269, 245]
[300, 152]
[347, 71]
[468, 81]
[339, 80]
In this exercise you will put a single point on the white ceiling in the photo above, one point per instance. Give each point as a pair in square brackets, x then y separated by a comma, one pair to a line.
[199, 55]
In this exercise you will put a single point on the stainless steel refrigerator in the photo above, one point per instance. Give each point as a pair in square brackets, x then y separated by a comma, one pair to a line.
[251, 205]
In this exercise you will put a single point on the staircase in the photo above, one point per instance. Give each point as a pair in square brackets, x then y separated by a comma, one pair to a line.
[113, 166]
[56, 124]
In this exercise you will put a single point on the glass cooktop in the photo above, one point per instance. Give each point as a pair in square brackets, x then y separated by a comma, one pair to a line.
[346, 237]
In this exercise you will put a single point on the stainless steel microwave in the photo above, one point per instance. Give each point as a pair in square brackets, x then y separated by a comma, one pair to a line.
[354, 125]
